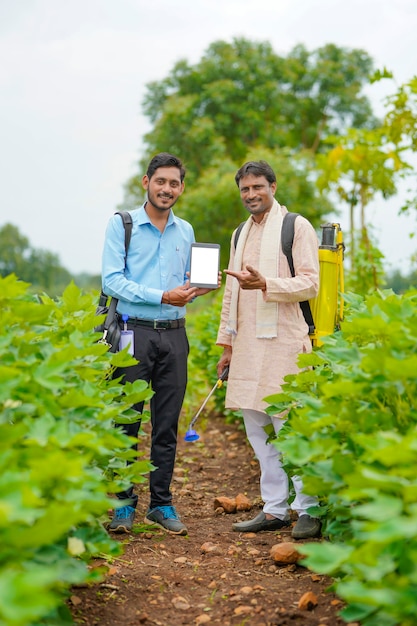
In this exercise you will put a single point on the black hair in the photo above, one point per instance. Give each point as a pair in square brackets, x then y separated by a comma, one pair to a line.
[257, 168]
[164, 159]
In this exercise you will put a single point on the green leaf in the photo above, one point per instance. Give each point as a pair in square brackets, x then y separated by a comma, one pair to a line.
[326, 558]
[383, 509]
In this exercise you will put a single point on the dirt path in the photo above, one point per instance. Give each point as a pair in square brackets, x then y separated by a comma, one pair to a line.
[167, 580]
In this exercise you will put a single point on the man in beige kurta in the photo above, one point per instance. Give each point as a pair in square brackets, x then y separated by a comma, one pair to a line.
[263, 331]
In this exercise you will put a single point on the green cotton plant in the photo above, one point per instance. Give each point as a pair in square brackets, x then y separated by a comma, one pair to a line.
[351, 435]
[202, 329]
[60, 452]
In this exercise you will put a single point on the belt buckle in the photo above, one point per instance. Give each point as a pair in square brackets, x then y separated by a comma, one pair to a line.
[160, 325]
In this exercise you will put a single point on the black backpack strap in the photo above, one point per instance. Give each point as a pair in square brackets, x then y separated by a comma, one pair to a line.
[237, 233]
[102, 301]
[127, 223]
[308, 316]
[110, 313]
[287, 240]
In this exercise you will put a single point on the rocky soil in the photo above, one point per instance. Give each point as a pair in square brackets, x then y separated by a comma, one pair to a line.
[213, 575]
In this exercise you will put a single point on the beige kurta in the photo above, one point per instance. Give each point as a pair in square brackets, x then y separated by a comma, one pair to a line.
[258, 366]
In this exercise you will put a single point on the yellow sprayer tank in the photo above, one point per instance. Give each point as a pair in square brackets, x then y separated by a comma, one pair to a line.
[327, 308]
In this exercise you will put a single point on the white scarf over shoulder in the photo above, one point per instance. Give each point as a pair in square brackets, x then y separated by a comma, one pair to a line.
[266, 312]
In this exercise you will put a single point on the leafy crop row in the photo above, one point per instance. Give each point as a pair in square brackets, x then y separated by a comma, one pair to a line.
[60, 454]
[352, 435]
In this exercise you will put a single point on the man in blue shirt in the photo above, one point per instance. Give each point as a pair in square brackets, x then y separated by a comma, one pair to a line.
[153, 289]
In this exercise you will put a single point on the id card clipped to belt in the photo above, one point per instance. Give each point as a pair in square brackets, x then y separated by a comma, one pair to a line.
[126, 337]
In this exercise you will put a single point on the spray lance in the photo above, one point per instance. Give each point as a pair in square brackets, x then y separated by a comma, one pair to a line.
[191, 434]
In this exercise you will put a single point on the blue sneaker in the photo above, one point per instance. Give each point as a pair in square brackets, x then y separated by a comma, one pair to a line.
[167, 518]
[122, 521]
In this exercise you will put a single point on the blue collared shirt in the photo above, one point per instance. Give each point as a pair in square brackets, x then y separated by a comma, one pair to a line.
[156, 262]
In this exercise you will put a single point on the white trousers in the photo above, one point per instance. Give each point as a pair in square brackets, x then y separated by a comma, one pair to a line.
[274, 480]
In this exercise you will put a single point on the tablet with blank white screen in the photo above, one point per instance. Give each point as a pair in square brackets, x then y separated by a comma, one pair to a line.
[205, 264]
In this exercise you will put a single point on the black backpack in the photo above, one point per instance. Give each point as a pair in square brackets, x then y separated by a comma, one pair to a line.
[287, 239]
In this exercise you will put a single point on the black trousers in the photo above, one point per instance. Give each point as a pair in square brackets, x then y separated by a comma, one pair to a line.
[162, 356]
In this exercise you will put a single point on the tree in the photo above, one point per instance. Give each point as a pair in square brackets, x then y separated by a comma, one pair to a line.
[242, 101]
[242, 94]
[44, 269]
[399, 283]
[401, 124]
[364, 163]
[14, 250]
[40, 268]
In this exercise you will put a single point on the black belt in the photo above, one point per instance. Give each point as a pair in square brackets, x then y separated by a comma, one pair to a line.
[157, 324]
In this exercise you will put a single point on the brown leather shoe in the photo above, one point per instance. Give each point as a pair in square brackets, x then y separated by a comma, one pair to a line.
[259, 523]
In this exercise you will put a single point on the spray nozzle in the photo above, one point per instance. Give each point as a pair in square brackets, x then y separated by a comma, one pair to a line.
[191, 434]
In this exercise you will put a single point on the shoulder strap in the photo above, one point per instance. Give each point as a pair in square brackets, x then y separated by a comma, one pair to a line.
[127, 223]
[287, 239]
[237, 233]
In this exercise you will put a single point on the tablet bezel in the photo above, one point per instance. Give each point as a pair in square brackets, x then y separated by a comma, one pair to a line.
[196, 283]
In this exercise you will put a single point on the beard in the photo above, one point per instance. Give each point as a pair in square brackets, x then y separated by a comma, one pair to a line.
[161, 201]
[258, 208]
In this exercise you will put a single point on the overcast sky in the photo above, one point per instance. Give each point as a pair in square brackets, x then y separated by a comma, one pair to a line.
[73, 75]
